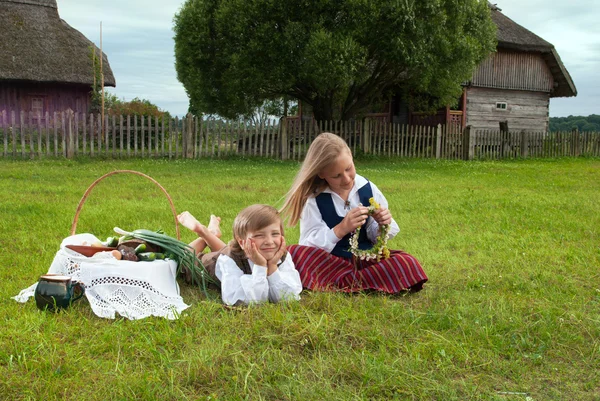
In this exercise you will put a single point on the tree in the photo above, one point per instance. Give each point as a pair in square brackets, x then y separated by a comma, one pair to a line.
[270, 109]
[137, 107]
[590, 123]
[339, 56]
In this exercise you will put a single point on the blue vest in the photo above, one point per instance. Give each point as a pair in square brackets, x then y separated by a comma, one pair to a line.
[331, 218]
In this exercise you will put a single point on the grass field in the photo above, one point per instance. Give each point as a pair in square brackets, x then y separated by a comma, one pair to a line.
[511, 310]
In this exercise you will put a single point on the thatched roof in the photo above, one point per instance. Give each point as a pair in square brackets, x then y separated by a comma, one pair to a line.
[512, 36]
[38, 46]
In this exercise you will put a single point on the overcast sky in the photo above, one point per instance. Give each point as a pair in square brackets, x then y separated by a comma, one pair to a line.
[137, 37]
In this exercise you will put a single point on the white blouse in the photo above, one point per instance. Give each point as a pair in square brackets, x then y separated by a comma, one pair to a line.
[283, 284]
[315, 232]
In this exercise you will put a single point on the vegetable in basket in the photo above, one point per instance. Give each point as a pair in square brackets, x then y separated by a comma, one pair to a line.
[174, 249]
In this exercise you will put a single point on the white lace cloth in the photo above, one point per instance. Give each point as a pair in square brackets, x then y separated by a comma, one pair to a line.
[134, 290]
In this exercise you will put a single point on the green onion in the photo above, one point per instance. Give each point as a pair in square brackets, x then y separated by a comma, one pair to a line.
[184, 254]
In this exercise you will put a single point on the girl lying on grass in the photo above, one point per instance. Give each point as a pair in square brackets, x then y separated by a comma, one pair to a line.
[254, 267]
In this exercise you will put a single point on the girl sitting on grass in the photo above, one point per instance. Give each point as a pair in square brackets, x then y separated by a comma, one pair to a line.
[254, 267]
[330, 200]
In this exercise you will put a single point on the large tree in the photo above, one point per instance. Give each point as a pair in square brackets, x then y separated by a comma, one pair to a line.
[339, 56]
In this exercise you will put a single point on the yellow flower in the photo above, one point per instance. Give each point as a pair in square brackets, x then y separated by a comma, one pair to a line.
[374, 203]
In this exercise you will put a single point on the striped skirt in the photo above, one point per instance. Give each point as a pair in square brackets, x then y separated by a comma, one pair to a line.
[320, 270]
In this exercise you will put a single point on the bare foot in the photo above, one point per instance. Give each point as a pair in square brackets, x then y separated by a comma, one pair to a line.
[214, 226]
[189, 221]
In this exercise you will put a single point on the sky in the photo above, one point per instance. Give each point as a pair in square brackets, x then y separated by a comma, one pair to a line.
[137, 37]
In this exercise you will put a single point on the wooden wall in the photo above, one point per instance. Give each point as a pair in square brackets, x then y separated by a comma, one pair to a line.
[514, 70]
[19, 96]
[525, 110]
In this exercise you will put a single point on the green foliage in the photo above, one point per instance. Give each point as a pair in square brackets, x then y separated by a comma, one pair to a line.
[590, 123]
[512, 304]
[135, 107]
[340, 57]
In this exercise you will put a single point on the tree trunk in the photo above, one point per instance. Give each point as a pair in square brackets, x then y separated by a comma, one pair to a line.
[322, 109]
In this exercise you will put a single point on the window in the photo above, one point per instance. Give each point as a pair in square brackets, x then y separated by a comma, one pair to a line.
[37, 106]
[501, 106]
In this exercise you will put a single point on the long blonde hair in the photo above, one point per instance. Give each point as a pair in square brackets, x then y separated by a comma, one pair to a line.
[253, 218]
[322, 151]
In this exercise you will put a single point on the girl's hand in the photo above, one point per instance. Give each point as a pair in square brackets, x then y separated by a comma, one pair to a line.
[382, 216]
[252, 253]
[355, 218]
[273, 261]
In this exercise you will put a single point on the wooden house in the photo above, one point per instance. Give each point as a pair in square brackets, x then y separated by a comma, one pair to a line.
[513, 85]
[45, 64]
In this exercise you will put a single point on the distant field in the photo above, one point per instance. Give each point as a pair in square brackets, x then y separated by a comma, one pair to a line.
[512, 308]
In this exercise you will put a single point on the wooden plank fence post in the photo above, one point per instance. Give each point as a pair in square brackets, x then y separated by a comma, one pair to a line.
[576, 142]
[99, 121]
[284, 138]
[524, 145]
[70, 149]
[184, 136]
[135, 136]
[106, 138]
[76, 133]
[84, 133]
[438, 141]
[39, 135]
[121, 136]
[114, 135]
[14, 133]
[64, 140]
[143, 137]
[196, 151]
[149, 136]
[92, 129]
[170, 138]
[366, 136]
[176, 133]
[5, 131]
[62, 118]
[31, 135]
[22, 132]
[156, 141]
[189, 149]
[468, 143]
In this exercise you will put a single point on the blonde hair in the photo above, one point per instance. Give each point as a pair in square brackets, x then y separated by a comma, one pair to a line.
[253, 218]
[322, 151]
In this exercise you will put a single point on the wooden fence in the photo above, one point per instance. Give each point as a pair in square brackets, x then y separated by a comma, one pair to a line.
[70, 134]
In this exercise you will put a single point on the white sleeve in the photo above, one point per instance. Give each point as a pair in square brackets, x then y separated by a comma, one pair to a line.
[372, 226]
[284, 283]
[313, 230]
[237, 286]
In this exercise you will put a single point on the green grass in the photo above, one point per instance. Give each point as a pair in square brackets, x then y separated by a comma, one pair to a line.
[512, 308]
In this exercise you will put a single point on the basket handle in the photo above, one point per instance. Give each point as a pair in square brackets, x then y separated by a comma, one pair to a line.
[87, 192]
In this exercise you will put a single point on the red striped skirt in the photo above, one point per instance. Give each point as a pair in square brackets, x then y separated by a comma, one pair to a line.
[320, 270]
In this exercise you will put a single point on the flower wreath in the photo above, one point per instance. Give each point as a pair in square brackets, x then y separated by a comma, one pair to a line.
[380, 249]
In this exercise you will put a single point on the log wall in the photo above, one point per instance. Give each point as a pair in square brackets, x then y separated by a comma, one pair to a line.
[524, 110]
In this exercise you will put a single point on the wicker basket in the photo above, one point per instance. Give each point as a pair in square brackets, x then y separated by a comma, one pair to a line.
[87, 192]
